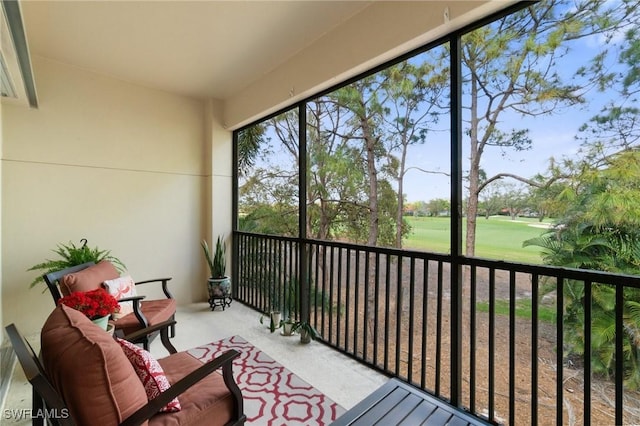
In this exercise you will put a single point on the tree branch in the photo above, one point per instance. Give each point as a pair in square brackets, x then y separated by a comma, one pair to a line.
[427, 171]
[510, 175]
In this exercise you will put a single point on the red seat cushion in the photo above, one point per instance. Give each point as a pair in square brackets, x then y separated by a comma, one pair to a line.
[208, 402]
[156, 311]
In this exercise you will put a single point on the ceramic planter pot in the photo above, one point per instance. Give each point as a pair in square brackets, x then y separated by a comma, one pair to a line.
[287, 328]
[219, 292]
[275, 320]
[219, 287]
[101, 322]
[305, 336]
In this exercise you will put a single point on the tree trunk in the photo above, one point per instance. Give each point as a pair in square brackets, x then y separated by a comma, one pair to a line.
[399, 215]
[400, 211]
[474, 173]
[372, 173]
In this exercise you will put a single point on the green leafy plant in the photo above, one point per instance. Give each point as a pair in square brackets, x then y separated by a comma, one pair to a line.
[216, 263]
[71, 255]
[287, 326]
[274, 320]
[305, 328]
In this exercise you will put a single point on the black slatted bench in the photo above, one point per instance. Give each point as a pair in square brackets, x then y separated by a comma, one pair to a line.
[397, 403]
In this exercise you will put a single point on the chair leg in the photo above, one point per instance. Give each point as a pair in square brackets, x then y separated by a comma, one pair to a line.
[164, 338]
[37, 407]
[173, 326]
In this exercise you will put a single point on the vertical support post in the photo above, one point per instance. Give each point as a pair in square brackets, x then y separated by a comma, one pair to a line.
[456, 220]
[303, 269]
[588, 298]
[560, 283]
[235, 246]
[619, 379]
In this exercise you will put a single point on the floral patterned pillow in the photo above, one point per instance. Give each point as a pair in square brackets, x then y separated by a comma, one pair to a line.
[120, 288]
[150, 373]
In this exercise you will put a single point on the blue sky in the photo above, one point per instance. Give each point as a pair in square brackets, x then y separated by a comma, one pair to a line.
[552, 135]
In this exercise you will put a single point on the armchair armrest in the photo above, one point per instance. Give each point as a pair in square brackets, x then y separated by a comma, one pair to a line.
[132, 298]
[164, 282]
[151, 329]
[225, 361]
[136, 309]
[162, 327]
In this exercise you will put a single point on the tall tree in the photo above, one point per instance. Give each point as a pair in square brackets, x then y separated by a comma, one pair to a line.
[365, 99]
[438, 206]
[510, 66]
[543, 195]
[334, 184]
[617, 126]
[249, 142]
[514, 199]
[491, 200]
[599, 229]
[414, 93]
[269, 187]
[599, 219]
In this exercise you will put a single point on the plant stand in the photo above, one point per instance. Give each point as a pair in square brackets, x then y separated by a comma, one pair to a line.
[219, 292]
[219, 301]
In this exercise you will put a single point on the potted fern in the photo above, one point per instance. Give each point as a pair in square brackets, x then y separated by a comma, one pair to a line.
[218, 284]
[71, 255]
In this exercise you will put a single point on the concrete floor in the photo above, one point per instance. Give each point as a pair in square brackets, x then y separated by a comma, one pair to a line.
[337, 376]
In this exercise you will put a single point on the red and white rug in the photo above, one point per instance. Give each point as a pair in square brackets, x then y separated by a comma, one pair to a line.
[272, 394]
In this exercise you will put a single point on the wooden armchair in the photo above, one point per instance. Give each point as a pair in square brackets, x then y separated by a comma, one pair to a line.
[84, 378]
[90, 276]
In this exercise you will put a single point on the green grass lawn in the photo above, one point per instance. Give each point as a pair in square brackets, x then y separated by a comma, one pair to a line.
[498, 237]
[523, 310]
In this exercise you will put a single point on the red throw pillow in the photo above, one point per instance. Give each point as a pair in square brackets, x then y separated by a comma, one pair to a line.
[150, 373]
[88, 279]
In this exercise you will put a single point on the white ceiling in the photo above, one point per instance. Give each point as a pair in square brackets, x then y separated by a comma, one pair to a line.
[195, 48]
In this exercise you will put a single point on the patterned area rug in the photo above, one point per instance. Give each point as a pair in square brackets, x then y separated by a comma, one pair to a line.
[272, 394]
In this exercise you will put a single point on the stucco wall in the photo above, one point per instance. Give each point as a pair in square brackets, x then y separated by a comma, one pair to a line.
[121, 165]
[217, 194]
[383, 31]
[1, 150]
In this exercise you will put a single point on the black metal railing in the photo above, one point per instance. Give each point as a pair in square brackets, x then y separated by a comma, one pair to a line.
[392, 309]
